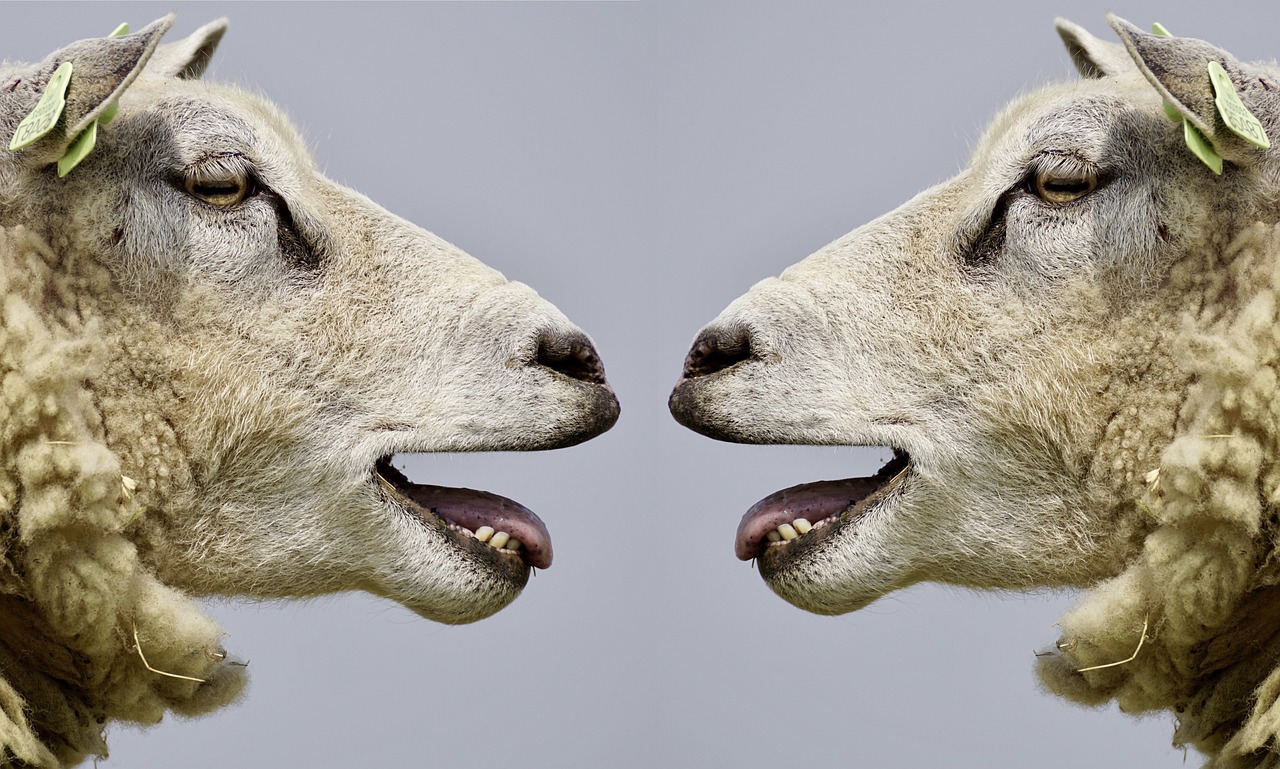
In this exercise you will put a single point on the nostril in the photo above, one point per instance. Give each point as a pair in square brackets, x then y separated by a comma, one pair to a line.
[716, 350]
[570, 354]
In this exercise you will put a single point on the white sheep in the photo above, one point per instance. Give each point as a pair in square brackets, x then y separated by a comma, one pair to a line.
[1072, 349]
[209, 354]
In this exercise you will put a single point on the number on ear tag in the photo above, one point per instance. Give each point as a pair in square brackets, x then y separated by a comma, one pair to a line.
[1237, 116]
[45, 116]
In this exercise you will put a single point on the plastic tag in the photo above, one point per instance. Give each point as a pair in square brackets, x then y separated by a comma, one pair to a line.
[1201, 147]
[108, 113]
[1158, 29]
[82, 146]
[47, 111]
[120, 31]
[1237, 116]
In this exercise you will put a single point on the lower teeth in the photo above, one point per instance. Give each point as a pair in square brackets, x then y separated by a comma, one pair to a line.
[789, 531]
[500, 540]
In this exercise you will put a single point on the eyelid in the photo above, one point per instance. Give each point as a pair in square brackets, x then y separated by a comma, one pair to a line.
[1062, 164]
[211, 167]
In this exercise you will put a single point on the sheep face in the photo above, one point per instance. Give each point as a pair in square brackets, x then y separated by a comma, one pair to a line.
[281, 337]
[994, 333]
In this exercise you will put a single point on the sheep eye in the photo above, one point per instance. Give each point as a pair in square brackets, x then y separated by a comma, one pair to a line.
[220, 192]
[1059, 188]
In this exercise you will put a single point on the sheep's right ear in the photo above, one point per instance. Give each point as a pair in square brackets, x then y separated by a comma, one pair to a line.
[1180, 69]
[1093, 57]
[188, 58]
[101, 69]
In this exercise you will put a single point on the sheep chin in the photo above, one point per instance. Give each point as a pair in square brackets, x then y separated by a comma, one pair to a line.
[801, 566]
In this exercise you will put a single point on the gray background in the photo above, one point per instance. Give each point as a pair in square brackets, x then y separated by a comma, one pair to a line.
[641, 164]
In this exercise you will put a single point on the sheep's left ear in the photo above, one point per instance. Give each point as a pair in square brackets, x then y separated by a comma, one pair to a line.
[1178, 67]
[189, 57]
[1093, 57]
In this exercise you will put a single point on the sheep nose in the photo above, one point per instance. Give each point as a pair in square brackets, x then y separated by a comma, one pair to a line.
[570, 353]
[717, 349]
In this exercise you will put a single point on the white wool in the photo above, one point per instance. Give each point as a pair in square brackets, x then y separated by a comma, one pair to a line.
[65, 518]
[1206, 578]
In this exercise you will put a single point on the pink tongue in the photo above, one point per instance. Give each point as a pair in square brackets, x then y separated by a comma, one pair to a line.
[472, 509]
[811, 501]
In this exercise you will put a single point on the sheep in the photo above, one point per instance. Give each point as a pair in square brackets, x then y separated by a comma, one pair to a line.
[1071, 349]
[209, 355]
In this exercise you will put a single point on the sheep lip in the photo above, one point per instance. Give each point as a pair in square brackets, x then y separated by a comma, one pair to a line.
[469, 510]
[820, 503]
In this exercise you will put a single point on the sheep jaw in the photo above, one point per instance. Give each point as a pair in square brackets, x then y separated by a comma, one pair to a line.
[787, 524]
[501, 531]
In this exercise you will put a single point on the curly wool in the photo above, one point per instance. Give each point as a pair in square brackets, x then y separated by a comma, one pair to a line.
[78, 609]
[1206, 585]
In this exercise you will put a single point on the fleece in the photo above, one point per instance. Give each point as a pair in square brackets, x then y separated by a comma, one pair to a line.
[87, 632]
[1192, 623]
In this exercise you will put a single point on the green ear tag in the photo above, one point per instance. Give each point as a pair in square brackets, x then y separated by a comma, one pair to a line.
[82, 146]
[1158, 29]
[1237, 116]
[110, 112]
[1201, 147]
[45, 116]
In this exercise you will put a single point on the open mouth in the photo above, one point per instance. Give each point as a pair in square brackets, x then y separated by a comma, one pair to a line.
[800, 513]
[504, 525]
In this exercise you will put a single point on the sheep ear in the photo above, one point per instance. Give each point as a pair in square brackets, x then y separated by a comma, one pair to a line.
[188, 58]
[1179, 68]
[1093, 57]
[101, 70]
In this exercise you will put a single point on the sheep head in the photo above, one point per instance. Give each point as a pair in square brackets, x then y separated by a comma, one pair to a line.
[1008, 336]
[1068, 351]
[276, 338]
